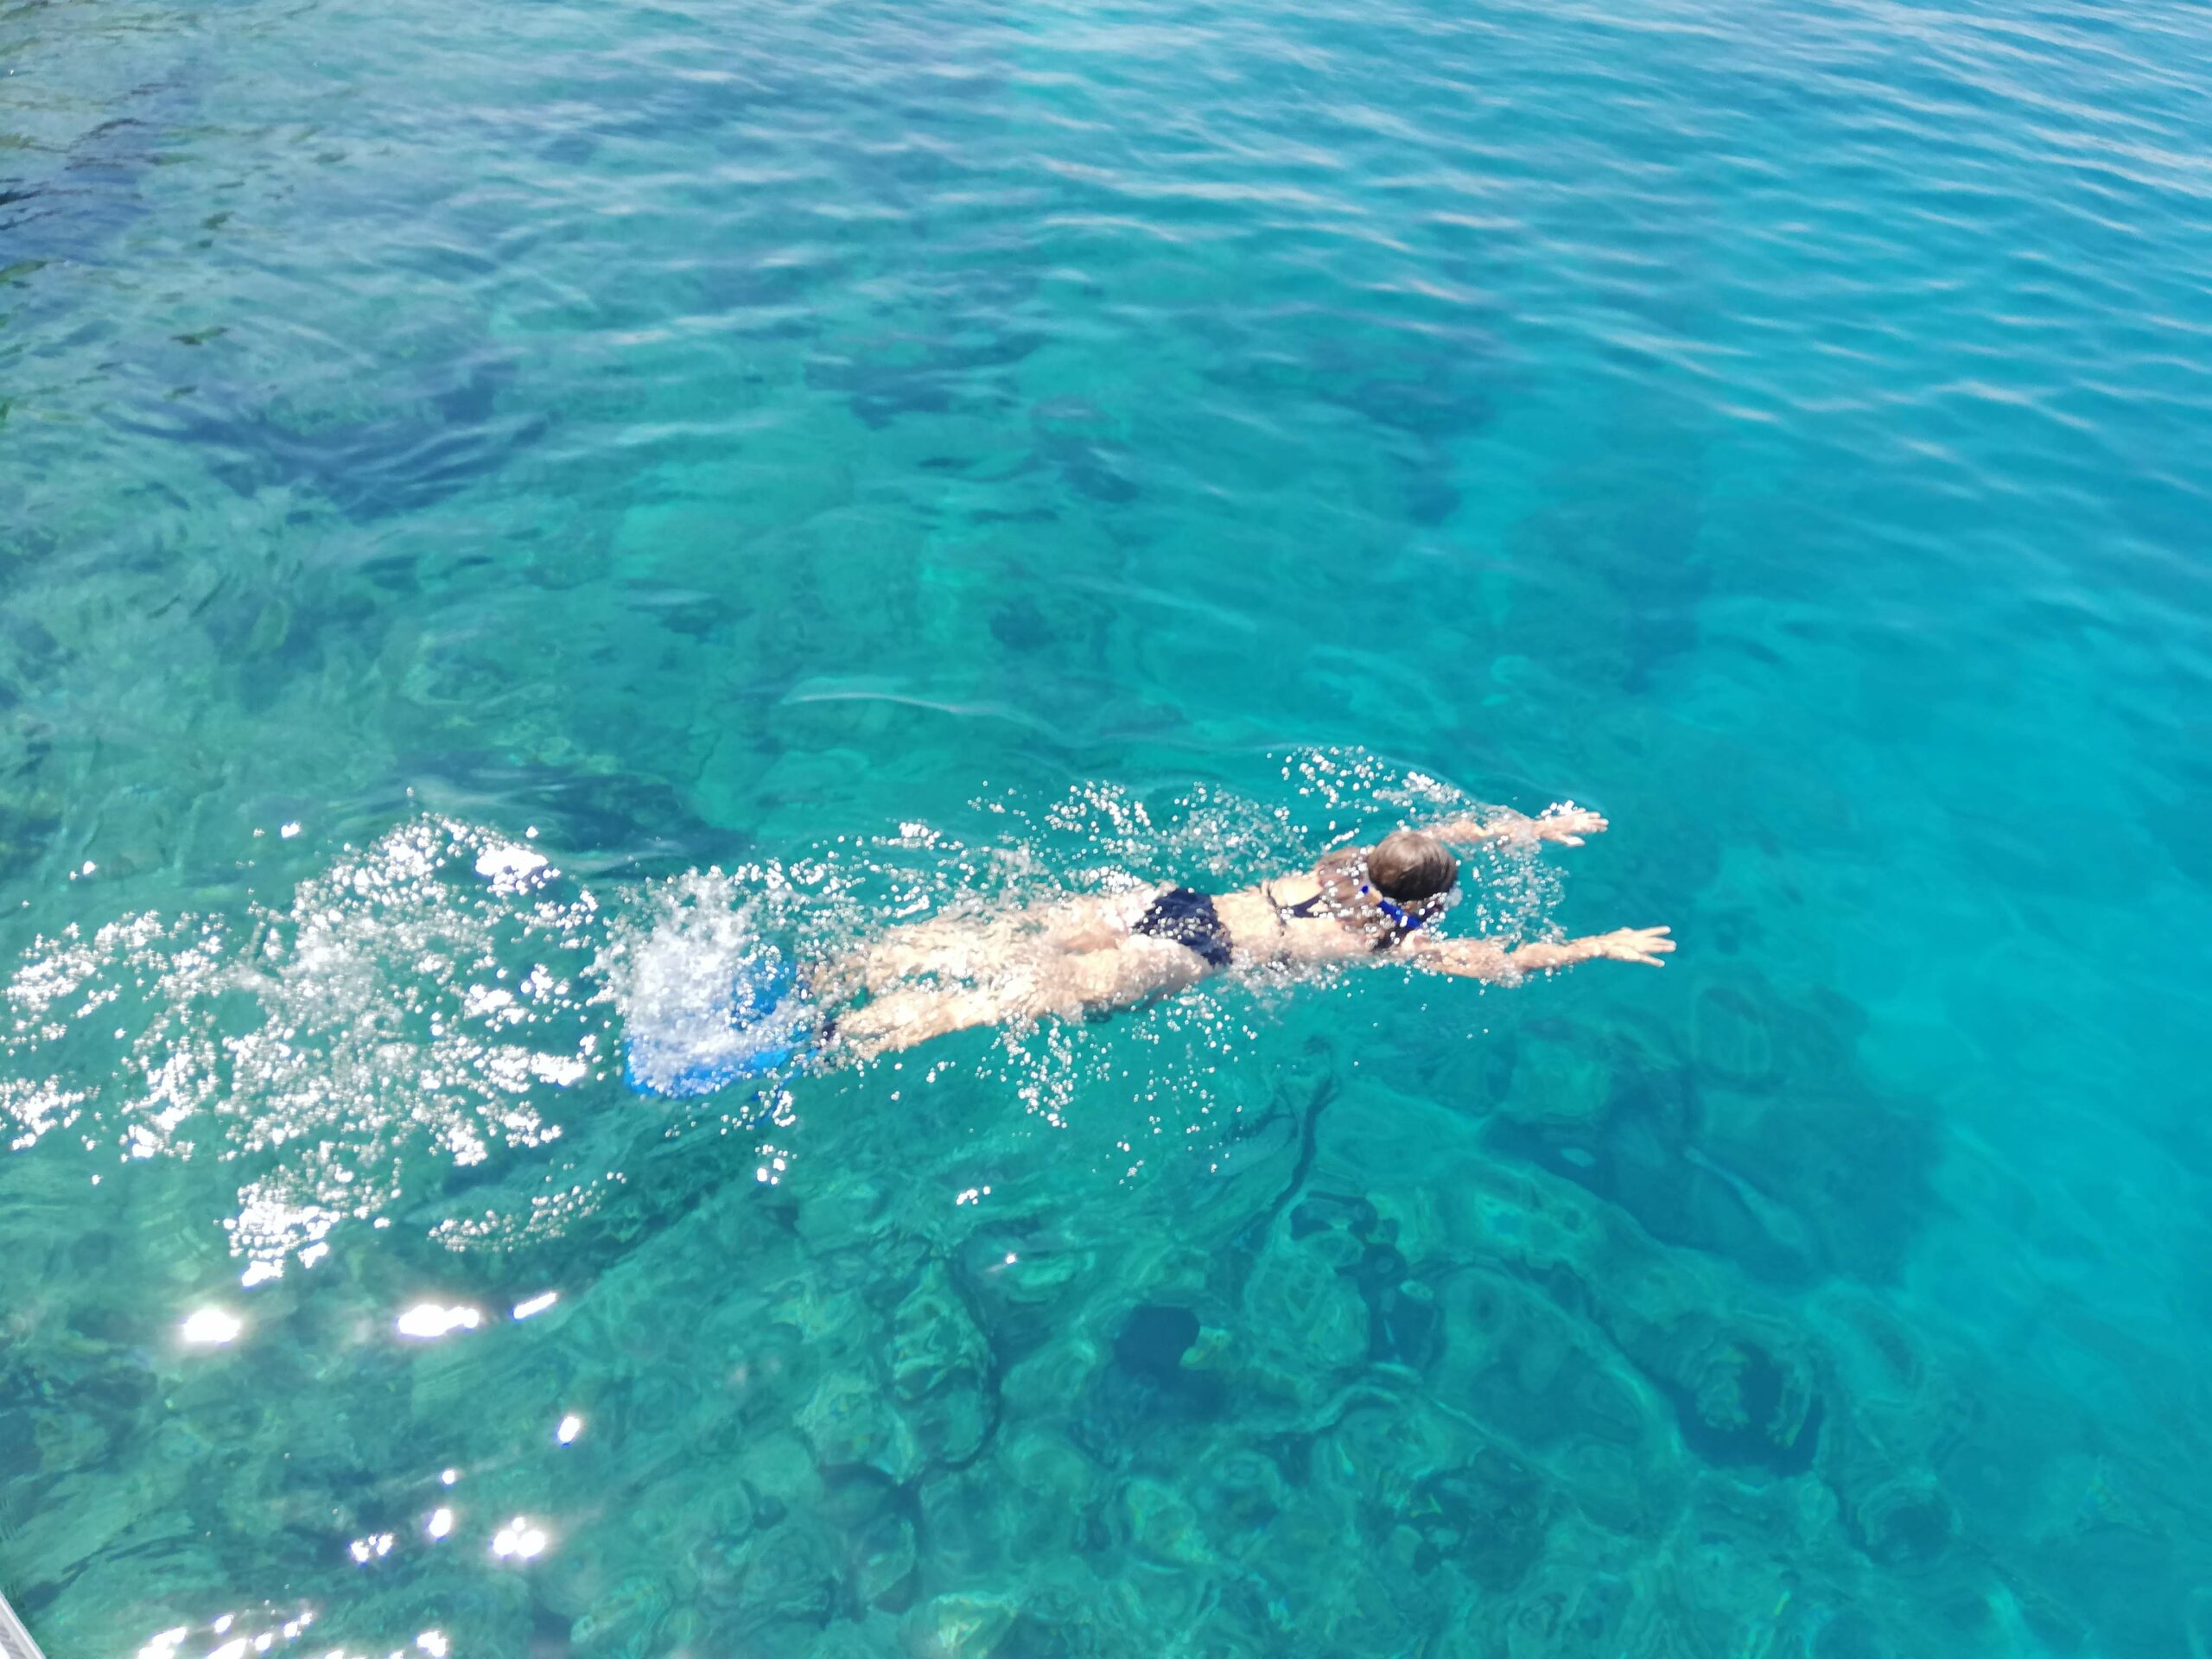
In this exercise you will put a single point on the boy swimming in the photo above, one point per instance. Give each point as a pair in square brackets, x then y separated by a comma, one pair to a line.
[1080, 958]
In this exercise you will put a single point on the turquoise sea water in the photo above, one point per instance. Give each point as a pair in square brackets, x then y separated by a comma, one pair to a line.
[489, 492]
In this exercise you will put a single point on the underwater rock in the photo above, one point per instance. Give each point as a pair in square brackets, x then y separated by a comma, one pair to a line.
[884, 1560]
[837, 1213]
[1527, 1370]
[623, 1620]
[1162, 1524]
[822, 1310]
[1853, 1635]
[1739, 1407]
[843, 1641]
[963, 1530]
[1488, 1517]
[849, 1423]
[1296, 1299]
[1145, 1385]
[1352, 1607]
[1904, 1524]
[1341, 1224]
[790, 1577]
[1897, 1414]
[956, 1627]
[1554, 1073]
[1570, 1614]
[1739, 1572]
[1241, 1491]
[1748, 1388]
[1058, 1489]
[1142, 1595]
[1041, 1382]
[779, 1473]
[941, 1370]
[718, 1549]
[1153, 1341]
[1732, 1038]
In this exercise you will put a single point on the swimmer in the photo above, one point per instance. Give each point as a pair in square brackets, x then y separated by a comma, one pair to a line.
[1082, 957]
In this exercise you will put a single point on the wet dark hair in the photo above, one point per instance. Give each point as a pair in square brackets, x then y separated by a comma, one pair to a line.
[1411, 866]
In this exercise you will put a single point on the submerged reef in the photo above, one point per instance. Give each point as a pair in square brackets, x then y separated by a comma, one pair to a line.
[1271, 1407]
[1592, 1334]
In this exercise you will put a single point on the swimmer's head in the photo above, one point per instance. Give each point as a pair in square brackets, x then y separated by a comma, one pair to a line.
[1413, 869]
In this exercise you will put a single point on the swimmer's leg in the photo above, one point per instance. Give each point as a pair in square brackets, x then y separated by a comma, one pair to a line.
[1068, 985]
[1135, 969]
[891, 1024]
[973, 948]
[948, 948]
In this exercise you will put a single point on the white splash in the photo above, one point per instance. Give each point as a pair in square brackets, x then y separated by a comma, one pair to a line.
[700, 993]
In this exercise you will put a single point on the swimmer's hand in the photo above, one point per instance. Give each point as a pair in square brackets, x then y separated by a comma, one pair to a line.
[1483, 959]
[1566, 823]
[1643, 944]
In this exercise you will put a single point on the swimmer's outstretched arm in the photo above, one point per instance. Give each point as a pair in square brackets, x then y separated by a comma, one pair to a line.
[1565, 823]
[1482, 959]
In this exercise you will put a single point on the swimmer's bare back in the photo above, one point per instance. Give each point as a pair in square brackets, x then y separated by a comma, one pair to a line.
[1358, 904]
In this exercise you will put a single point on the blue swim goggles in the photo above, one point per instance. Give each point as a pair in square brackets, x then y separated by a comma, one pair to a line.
[1390, 907]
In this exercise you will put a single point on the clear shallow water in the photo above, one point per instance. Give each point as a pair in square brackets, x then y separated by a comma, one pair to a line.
[1039, 446]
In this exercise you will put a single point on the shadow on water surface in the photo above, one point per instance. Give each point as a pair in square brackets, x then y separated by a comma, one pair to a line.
[887, 378]
[1079, 440]
[1423, 396]
[603, 824]
[371, 452]
[95, 194]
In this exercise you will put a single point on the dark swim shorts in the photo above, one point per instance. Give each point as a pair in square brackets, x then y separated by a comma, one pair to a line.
[1186, 916]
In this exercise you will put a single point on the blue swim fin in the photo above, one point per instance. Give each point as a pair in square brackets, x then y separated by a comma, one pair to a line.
[765, 1027]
